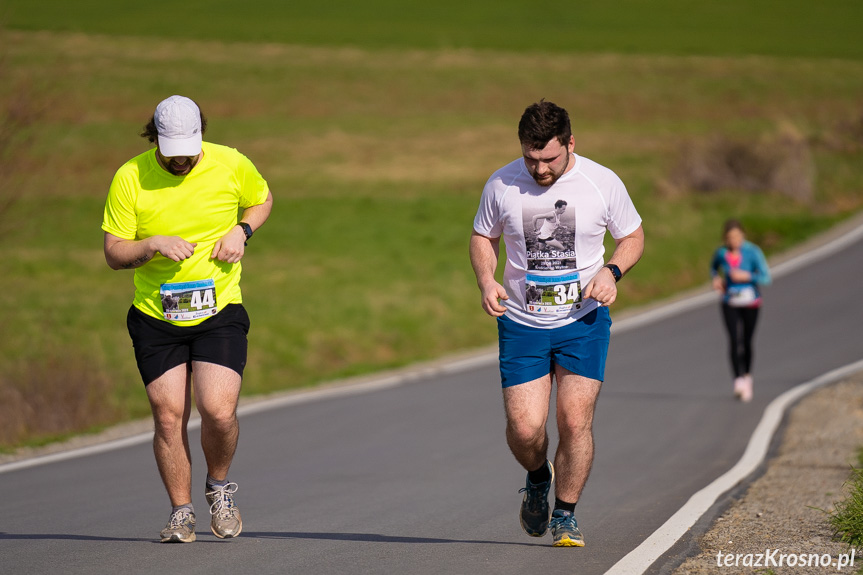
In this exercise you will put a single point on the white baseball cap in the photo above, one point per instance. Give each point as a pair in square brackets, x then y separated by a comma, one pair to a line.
[178, 121]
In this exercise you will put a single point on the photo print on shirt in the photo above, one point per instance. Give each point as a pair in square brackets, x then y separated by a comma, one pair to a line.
[549, 233]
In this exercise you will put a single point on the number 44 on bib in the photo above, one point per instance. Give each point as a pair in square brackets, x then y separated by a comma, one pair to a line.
[186, 301]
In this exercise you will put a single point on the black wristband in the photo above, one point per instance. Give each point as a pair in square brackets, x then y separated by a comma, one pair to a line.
[247, 229]
[615, 271]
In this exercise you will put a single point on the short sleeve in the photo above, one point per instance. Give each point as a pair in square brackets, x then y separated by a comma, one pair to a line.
[120, 218]
[253, 187]
[623, 217]
[487, 220]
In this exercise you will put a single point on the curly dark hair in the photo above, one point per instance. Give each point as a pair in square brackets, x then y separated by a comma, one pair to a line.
[541, 122]
[151, 133]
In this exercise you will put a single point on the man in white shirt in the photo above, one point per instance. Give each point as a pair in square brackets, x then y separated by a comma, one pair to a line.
[563, 334]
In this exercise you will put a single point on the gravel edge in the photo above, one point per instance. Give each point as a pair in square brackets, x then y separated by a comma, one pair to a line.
[784, 511]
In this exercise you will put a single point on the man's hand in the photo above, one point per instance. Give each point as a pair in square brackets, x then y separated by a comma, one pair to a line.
[491, 293]
[231, 247]
[626, 254]
[483, 257]
[602, 288]
[173, 247]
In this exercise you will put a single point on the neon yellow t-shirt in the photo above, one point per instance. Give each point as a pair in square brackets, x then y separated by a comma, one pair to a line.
[145, 200]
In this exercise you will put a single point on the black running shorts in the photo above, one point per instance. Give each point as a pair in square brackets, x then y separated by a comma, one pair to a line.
[161, 346]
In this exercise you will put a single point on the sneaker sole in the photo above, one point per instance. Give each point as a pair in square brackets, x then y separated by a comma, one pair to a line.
[230, 536]
[175, 538]
[568, 543]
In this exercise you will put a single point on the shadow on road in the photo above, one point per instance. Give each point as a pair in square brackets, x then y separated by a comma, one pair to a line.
[373, 538]
[68, 537]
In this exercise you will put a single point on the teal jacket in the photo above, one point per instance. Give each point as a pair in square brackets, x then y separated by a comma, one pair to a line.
[753, 261]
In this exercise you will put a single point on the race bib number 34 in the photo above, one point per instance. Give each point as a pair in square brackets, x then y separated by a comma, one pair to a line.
[186, 301]
[553, 295]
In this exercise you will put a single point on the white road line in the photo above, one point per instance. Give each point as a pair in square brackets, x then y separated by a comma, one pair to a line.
[642, 557]
[80, 452]
[840, 243]
[337, 390]
[444, 367]
[707, 296]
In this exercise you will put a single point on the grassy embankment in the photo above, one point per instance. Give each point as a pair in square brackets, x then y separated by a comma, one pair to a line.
[847, 517]
[376, 156]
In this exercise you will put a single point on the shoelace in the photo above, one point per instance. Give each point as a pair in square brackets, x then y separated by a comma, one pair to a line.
[179, 518]
[224, 503]
[534, 495]
[567, 521]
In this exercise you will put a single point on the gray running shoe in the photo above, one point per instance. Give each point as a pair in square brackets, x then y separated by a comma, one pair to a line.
[564, 529]
[180, 527]
[226, 521]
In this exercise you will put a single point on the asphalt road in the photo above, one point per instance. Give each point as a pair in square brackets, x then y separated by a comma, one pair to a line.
[416, 478]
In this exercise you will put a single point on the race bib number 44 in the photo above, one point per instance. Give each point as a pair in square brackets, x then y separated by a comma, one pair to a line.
[552, 295]
[186, 301]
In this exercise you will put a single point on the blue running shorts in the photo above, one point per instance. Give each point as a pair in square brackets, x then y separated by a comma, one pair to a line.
[528, 353]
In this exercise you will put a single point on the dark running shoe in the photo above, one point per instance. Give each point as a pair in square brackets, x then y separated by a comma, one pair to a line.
[535, 512]
[564, 529]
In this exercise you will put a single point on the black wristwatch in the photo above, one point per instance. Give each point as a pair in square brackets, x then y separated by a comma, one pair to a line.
[247, 229]
[615, 271]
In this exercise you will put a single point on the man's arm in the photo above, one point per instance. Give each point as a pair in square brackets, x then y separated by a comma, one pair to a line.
[484, 253]
[231, 247]
[627, 252]
[129, 254]
[538, 217]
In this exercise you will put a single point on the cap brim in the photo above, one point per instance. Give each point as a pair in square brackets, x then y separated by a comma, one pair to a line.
[170, 147]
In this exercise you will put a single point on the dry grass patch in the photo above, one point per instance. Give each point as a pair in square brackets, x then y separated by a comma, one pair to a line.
[390, 155]
[780, 162]
[52, 397]
[845, 136]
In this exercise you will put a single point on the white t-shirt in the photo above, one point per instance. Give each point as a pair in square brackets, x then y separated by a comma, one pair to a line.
[544, 276]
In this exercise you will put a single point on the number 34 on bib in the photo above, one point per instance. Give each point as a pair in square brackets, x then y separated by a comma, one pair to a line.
[552, 294]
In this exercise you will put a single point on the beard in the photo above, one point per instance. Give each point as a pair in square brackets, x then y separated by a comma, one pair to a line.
[548, 179]
[178, 169]
[175, 168]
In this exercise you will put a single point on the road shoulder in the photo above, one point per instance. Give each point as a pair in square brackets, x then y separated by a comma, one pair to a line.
[784, 509]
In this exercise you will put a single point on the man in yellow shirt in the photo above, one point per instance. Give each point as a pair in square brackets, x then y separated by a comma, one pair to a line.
[172, 216]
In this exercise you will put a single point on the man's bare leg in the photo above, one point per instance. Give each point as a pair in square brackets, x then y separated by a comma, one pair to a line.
[171, 403]
[526, 407]
[576, 402]
[217, 390]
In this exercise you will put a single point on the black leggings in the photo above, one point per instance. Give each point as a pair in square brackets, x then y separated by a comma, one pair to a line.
[740, 323]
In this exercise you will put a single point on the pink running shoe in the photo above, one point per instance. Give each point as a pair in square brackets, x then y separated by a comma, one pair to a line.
[746, 396]
[739, 385]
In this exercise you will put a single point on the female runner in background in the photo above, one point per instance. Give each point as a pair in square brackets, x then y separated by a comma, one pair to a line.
[738, 269]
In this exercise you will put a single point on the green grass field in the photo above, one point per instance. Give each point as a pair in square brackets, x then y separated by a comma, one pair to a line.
[376, 129]
[828, 28]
